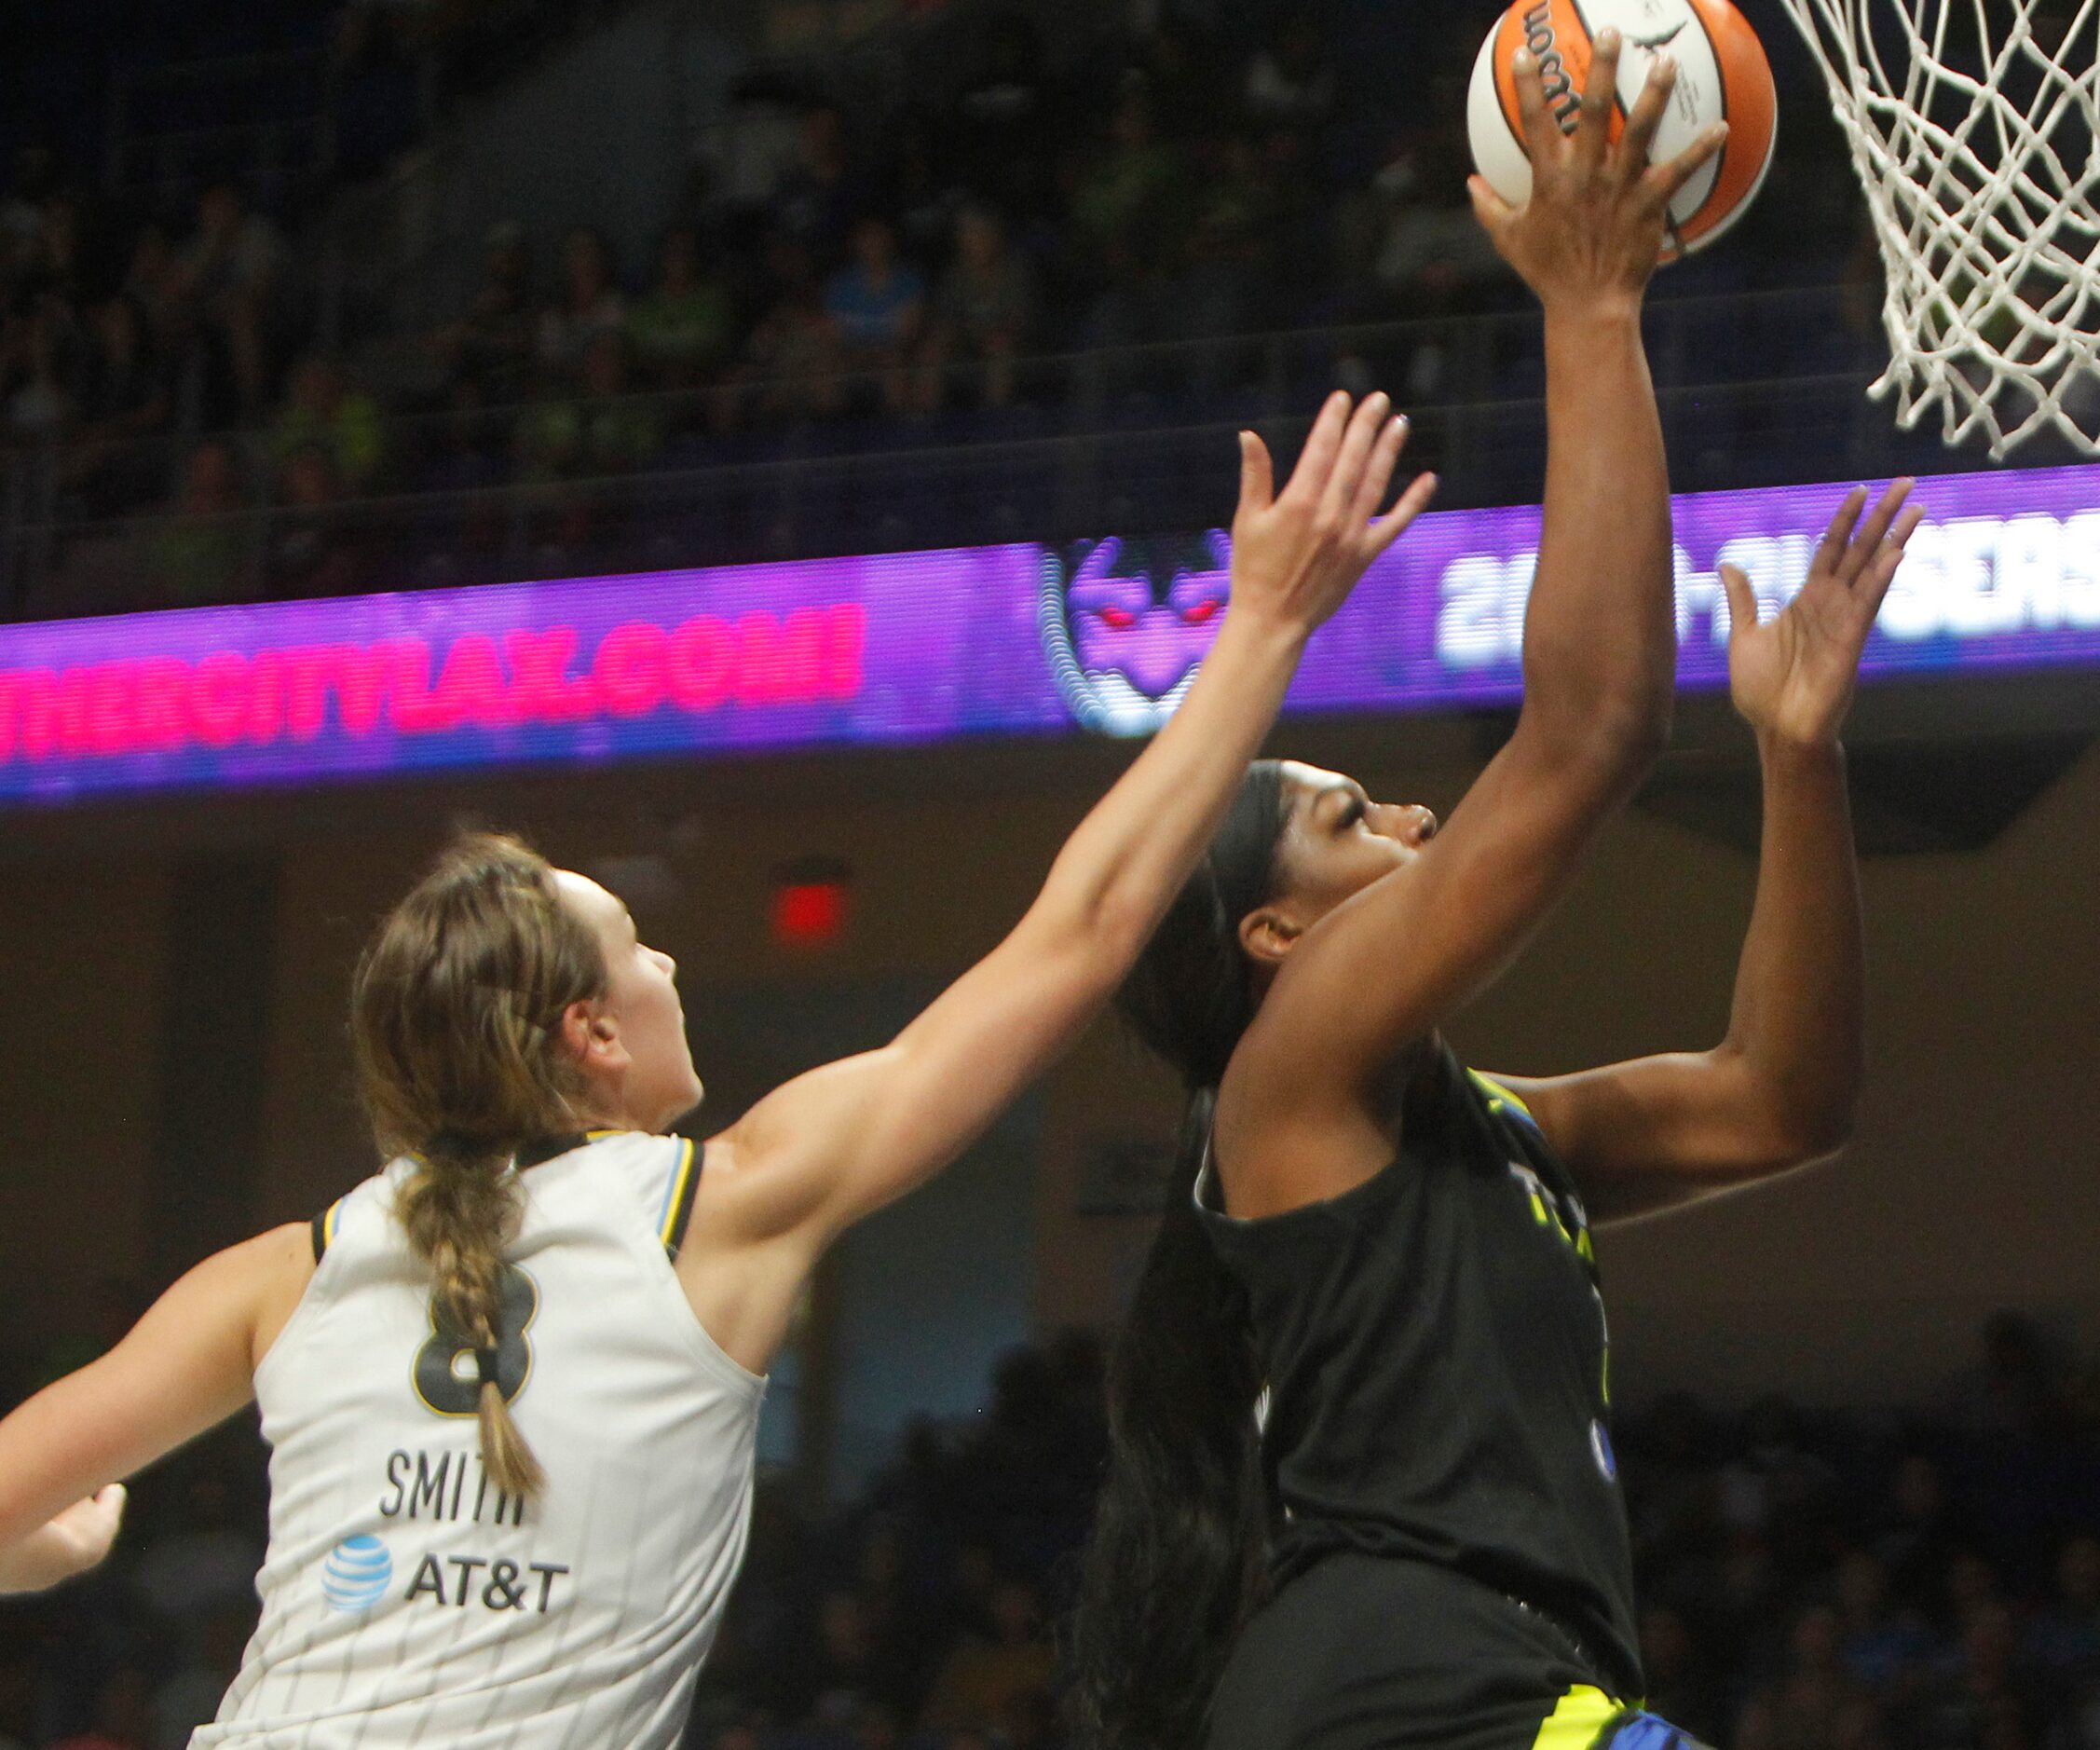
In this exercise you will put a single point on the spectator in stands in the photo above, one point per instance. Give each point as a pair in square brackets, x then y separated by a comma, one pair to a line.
[682, 329]
[387, 66]
[127, 397]
[155, 282]
[471, 455]
[1427, 261]
[60, 268]
[2063, 1641]
[1913, 1542]
[1128, 221]
[590, 305]
[1291, 82]
[1885, 1651]
[1679, 1687]
[877, 302]
[492, 344]
[982, 314]
[322, 411]
[842, 1681]
[792, 359]
[37, 405]
[1981, 1702]
[923, 195]
[1235, 217]
[203, 553]
[600, 429]
[230, 275]
[1814, 1690]
[35, 178]
[981, 1680]
[1005, 126]
[815, 203]
[310, 553]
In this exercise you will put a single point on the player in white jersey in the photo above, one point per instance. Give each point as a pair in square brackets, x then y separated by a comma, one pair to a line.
[510, 1384]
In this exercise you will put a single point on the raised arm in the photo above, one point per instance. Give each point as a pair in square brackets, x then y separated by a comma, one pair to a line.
[1777, 1092]
[1380, 970]
[834, 1144]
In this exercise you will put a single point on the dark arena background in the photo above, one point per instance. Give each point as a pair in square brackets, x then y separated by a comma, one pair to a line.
[886, 356]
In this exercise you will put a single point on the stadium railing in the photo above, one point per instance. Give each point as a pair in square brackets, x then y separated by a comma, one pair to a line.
[1755, 388]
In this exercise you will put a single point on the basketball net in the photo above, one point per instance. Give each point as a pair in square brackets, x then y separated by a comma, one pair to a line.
[1981, 172]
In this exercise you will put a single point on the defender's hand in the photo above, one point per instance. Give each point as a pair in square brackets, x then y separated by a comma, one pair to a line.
[1794, 677]
[74, 1542]
[1592, 231]
[1297, 556]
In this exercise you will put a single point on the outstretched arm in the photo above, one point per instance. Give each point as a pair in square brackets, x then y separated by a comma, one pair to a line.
[1777, 1092]
[834, 1144]
[184, 1368]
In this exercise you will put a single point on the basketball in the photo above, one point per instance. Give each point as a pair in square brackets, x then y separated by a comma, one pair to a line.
[1722, 75]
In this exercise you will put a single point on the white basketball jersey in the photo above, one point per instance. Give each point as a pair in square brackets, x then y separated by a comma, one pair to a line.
[406, 1600]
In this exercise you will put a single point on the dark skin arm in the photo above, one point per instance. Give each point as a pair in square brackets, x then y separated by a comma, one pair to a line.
[1777, 1092]
[1307, 1108]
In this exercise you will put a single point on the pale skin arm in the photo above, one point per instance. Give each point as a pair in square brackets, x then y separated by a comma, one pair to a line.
[841, 1141]
[181, 1370]
[833, 1145]
[1777, 1092]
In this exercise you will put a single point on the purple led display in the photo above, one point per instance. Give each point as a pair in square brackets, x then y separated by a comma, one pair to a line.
[914, 648]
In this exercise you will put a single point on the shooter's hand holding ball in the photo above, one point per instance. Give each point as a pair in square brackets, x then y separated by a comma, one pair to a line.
[1593, 227]
[1720, 71]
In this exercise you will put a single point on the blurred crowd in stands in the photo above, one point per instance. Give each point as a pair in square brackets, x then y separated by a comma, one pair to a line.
[915, 277]
[1927, 1579]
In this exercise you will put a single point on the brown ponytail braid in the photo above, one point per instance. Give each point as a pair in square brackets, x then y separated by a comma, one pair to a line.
[456, 1015]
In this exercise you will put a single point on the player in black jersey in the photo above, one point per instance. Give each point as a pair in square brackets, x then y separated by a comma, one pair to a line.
[1362, 1492]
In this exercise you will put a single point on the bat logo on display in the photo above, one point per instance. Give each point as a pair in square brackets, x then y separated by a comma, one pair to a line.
[1127, 623]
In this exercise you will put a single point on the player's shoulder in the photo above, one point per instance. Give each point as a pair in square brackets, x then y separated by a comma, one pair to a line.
[655, 1175]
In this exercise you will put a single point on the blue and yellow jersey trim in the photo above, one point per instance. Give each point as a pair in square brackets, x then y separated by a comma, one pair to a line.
[1586, 1718]
[678, 1195]
[324, 1227]
[1502, 1099]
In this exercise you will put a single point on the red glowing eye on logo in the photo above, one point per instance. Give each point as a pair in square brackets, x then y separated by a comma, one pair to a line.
[1200, 613]
[1116, 619]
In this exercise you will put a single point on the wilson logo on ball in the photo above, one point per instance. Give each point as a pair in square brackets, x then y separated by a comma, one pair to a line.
[1722, 75]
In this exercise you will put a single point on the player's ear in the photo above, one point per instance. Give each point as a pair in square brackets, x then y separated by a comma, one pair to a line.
[591, 1037]
[1269, 934]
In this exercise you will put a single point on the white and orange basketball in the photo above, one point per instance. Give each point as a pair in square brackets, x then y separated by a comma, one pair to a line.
[1722, 75]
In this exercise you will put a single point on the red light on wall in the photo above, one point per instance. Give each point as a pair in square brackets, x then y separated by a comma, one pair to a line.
[809, 913]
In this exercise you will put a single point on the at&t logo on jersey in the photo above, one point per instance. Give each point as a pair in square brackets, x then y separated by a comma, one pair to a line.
[1126, 624]
[357, 1573]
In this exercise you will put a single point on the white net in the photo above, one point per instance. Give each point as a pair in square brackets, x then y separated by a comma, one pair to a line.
[1973, 125]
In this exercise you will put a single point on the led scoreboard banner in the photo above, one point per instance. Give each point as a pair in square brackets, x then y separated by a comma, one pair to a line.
[918, 648]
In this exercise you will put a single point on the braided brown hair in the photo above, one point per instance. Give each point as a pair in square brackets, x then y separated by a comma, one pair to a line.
[455, 1014]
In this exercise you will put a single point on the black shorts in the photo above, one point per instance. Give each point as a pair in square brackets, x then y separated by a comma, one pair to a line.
[1362, 1652]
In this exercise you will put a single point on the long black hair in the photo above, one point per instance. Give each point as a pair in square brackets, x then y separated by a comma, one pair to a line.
[1181, 1531]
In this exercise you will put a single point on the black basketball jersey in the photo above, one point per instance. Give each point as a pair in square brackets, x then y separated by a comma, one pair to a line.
[1435, 1355]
